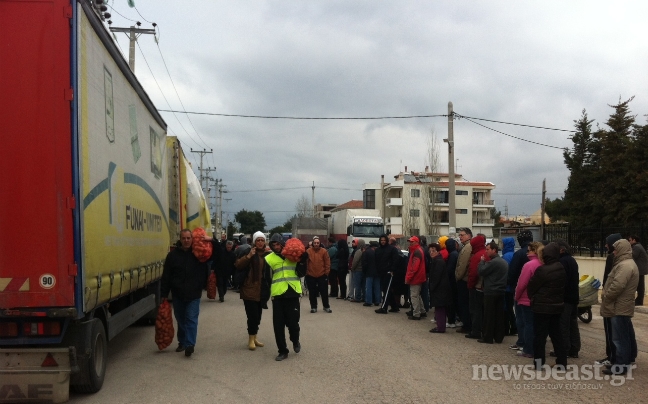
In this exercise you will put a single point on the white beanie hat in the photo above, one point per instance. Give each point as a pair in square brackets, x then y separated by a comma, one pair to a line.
[257, 235]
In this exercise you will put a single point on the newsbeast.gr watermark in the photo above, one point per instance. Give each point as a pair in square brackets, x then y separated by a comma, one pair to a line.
[573, 375]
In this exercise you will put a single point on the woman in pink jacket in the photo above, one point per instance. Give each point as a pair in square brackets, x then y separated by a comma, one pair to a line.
[534, 253]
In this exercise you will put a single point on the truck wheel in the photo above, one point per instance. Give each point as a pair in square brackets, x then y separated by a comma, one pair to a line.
[93, 367]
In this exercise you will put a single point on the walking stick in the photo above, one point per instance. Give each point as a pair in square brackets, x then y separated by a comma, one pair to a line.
[387, 291]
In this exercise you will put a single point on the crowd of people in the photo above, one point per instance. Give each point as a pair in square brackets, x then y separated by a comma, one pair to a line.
[473, 287]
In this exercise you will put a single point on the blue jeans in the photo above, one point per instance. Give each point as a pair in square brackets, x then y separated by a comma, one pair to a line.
[623, 338]
[524, 321]
[356, 288]
[372, 290]
[186, 314]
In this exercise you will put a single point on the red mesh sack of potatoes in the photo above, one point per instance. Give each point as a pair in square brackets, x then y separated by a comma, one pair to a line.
[202, 249]
[293, 250]
[211, 286]
[164, 326]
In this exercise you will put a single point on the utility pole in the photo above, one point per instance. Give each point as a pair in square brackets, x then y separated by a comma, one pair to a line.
[208, 177]
[452, 220]
[542, 208]
[202, 154]
[313, 199]
[220, 201]
[133, 34]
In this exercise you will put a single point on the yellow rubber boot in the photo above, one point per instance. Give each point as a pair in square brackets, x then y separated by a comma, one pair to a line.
[251, 344]
[257, 342]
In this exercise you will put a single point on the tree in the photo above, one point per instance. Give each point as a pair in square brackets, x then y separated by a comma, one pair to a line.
[557, 210]
[251, 221]
[231, 229]
[284, 228]
[303, 207]
[428, 196]
[496, 215]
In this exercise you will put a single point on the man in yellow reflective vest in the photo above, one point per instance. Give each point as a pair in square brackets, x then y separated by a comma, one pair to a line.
[285, 292]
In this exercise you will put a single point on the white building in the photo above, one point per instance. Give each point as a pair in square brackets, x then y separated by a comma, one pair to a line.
[416, 203]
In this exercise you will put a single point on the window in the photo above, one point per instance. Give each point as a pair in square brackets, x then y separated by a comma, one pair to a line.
[440, 196]
[441, 217]
[415, 213]
[414, 232]
[461, 211]
[459, 192]
[369, 199]
[416, 193]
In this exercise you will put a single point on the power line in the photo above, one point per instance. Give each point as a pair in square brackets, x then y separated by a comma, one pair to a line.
[115, 10]
[514, 137]
[304, 118]
[265, 190]
[511, 123]
[140, 14]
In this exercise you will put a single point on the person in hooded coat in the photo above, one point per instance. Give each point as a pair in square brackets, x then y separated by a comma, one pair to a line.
[343, 267]
[475, 287]
[515, 268]
[451, 264]
[618, 304]
[546, 290]
[508, 248]
[386, 261]
[607, 326]
[439, 284]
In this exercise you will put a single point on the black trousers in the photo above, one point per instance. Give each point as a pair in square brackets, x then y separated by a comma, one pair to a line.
[463, 308]
[494, 318]
[569, 329]
[476, 311]
[641, 290]
[285, 314]
[389, 298]
[342, 281]
[547, 325]
[333, 281]
[317, 284]
[510, 326]
[253, 311]
[221, 281]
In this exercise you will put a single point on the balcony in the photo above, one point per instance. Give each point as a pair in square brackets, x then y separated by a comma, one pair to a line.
[395, 220]
[484, 202]
[483, 222]
[394, 202]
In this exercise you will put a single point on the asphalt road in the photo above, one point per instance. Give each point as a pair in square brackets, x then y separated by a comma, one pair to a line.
[350, 356]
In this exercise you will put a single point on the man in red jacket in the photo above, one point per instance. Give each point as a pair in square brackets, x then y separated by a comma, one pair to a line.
[415, 276]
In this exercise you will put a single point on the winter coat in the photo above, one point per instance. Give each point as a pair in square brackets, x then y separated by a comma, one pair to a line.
[515, 267]
[508, 248]
[369, 262]
[478, 247]
[640, 258]
[546, 288]
[451, 264]
[386, 257]
[461, 271]
[609, 262]
[256, 286]
[440, 292]
[184, 275]
[333, 257]
[416, 266]
[521, 294]
[318, 262]
[343, 256]
[619, 291]
[571, 271]
[494, 274]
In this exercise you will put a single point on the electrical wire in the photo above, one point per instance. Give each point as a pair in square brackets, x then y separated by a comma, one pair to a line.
[511, 123]
[115, 10]
[140, 14]
[514, 137]
[303, 118]
[265, 190]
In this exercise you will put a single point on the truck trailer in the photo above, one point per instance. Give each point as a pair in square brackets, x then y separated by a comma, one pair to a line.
[351, 224]
[95, 194]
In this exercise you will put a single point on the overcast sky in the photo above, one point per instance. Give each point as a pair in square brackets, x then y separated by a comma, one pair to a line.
[530, 62]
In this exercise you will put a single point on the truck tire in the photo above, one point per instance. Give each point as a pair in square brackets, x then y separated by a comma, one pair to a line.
[92, 366]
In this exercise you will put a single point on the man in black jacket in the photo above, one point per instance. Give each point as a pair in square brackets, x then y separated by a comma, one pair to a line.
[186, 277]
[546, 290]
[386, 260]
[641, 259]
[569, 318]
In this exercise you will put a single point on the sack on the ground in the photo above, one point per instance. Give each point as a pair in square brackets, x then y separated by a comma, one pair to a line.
[164, 326]
[202, 249]
[211, 286]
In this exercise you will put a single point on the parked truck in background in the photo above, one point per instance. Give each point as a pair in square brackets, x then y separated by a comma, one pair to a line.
[305, 228]
[95, 196]
[350, 224]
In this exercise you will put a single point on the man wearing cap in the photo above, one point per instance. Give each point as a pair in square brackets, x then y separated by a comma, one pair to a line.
[415, 276]
[255, 288]
[285, 292]
[318, 267]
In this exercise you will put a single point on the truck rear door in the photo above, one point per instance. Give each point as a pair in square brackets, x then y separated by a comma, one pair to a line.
[36, 220]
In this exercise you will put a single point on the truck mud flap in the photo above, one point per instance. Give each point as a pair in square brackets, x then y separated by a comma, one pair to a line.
[35, 375]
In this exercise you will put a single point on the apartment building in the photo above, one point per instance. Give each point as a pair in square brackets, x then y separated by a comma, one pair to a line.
[417, 203]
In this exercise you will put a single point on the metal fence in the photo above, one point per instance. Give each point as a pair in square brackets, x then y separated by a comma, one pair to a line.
[590, 241]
